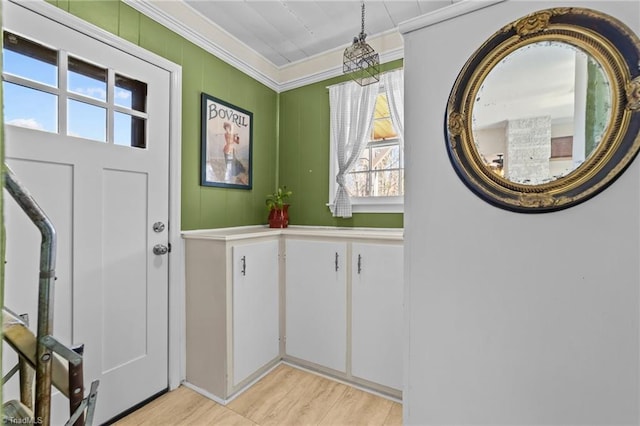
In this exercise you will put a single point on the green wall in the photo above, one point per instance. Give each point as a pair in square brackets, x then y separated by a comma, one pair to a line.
[304, 157]
[202, 207]
[298, 119]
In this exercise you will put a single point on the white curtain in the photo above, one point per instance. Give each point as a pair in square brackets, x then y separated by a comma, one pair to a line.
[352, 107]
[393, 83]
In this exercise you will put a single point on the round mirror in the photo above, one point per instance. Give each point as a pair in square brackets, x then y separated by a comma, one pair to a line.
[526, 132]
[543, 115]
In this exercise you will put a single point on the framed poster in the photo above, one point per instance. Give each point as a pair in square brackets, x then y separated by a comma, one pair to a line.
[226, 143]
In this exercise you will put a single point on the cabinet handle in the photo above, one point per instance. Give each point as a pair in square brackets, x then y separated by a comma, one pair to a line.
[244, 265]
[359, 264]
[337, 261]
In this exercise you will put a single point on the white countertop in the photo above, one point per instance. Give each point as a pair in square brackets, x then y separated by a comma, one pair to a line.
[246, 232]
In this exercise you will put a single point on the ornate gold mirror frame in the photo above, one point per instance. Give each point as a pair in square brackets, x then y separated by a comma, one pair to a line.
[614, 47]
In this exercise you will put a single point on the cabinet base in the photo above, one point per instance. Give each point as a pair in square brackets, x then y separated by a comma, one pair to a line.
[342, 377]
[243, 386]
[364, 385]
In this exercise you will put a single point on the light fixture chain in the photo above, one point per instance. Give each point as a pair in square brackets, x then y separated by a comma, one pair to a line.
[362, 34]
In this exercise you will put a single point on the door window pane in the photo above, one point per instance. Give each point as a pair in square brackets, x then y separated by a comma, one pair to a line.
[86, 121]
[24, 58]
[131, 93]
[87, 79]
[30, 108]
[129, 131]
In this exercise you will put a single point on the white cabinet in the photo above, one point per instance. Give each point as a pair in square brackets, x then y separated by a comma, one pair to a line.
[316, 302]
[344, 309]
[377, 313]
[232, 312]
[325, 299]
[256, 330]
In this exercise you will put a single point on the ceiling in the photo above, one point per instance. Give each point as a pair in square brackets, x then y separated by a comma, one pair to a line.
[286, 44]
[285, 32]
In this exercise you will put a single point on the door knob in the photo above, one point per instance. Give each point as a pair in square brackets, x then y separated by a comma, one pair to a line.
[160, 249]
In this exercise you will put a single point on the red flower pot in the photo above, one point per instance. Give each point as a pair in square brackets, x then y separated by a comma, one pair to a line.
[279, 218]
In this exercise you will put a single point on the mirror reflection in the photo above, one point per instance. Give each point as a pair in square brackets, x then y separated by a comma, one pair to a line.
[541, 112]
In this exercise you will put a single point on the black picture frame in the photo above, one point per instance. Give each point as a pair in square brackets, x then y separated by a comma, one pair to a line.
[226, 144]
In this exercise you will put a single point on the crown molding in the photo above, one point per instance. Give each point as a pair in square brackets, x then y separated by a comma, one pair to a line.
[456, 9]
[202, 32]
[196, 28]
[335, 71]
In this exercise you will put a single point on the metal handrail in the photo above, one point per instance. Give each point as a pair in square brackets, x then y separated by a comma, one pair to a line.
[45, 293]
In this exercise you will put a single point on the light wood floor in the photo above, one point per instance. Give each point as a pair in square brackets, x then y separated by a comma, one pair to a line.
[286, 396]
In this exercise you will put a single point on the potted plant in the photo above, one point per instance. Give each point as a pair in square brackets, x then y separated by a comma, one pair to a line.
[278, 208]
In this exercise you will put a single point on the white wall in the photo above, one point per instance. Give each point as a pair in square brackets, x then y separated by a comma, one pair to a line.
[507, 323]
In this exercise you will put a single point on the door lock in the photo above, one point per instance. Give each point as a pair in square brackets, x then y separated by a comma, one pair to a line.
[158, 227]
[160, 249]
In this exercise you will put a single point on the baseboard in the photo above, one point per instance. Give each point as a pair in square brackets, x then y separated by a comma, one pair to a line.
[362, 387]
[222, 401]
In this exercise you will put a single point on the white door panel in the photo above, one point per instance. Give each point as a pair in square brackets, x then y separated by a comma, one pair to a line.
[377, 313]
[112, 291]
[255, 307]
[316, 302]
[22, 264]
[22, 257]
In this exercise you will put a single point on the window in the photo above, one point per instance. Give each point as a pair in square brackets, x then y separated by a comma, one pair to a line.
[379, 170]
[73, 96]
[374, 181]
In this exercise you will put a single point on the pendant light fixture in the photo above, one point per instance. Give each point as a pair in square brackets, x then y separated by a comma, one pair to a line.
[360, 61]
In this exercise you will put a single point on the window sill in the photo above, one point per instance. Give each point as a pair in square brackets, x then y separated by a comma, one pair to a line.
[375, 205]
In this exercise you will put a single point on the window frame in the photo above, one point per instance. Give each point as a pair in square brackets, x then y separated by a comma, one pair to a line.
[370, 204]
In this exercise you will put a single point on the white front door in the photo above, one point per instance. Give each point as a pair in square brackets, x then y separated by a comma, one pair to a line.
[103, 188]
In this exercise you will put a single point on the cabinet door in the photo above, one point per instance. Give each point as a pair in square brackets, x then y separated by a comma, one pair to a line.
[377, 313]
[255, 307]
[316, 310]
